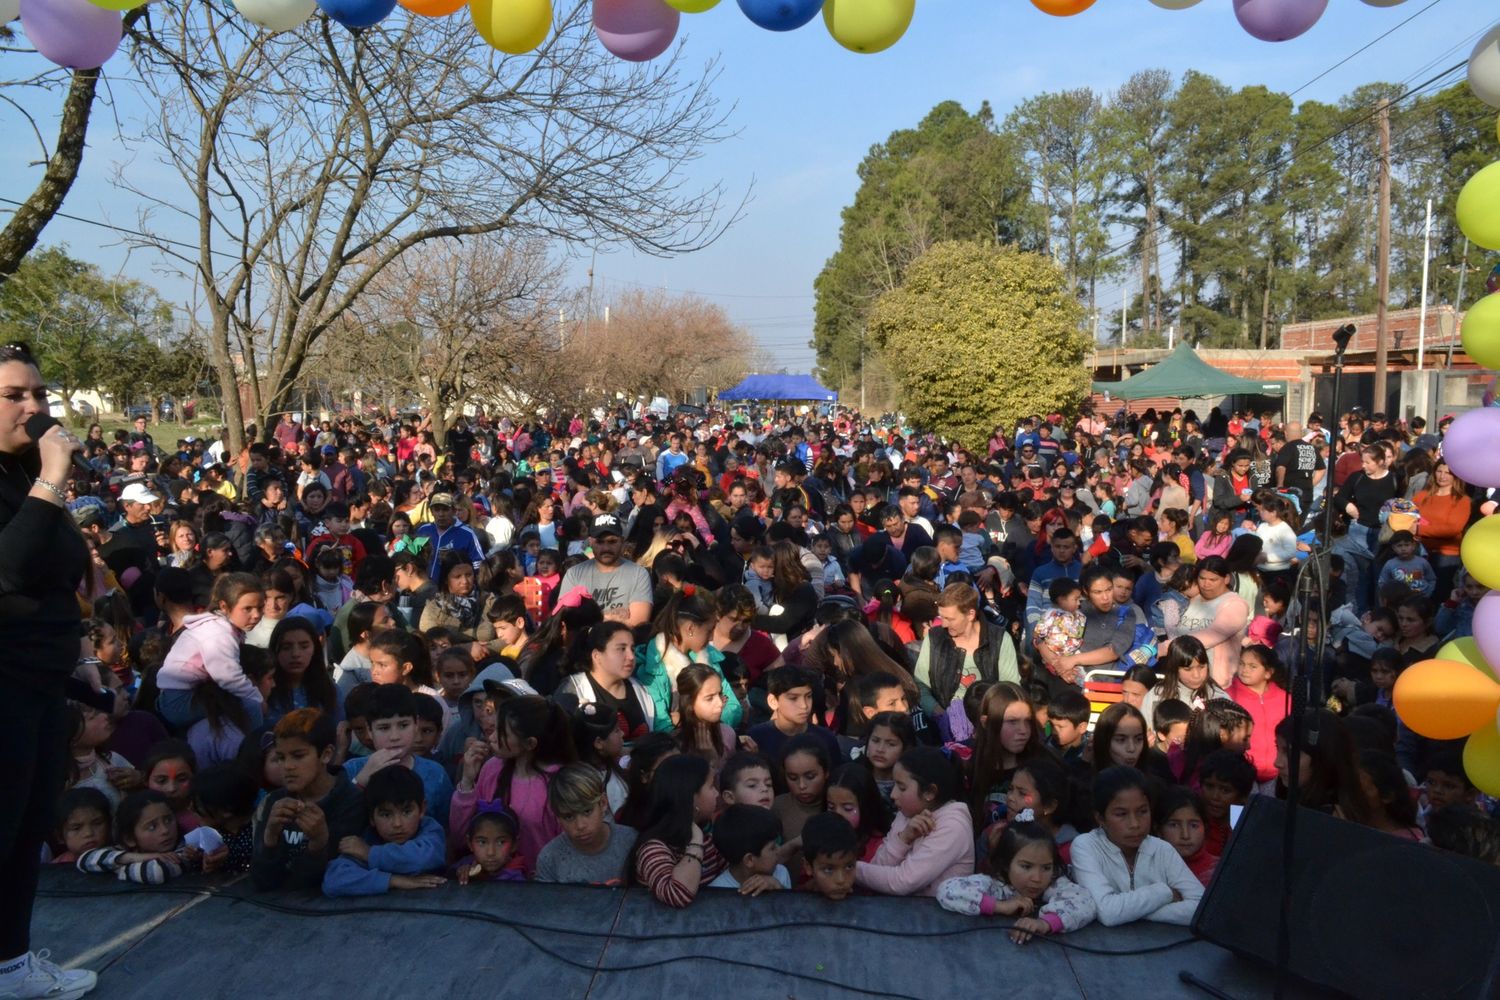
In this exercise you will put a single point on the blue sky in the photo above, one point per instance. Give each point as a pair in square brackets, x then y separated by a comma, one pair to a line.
[807, 112]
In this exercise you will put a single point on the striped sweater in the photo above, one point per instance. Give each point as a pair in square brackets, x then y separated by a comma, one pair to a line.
[653, 869]
[154, 871]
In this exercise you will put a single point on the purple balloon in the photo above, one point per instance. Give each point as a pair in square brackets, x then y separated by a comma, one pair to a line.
[635, 30]
[72, 33]
[1487, 627]
[356, 14]
[1470, 447]
[1278, 20]
[780, 15]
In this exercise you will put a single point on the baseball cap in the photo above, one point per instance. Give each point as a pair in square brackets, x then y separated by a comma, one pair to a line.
[138, 493]
[329, 449]
[440, 500]
[88, 511]
[605, 525]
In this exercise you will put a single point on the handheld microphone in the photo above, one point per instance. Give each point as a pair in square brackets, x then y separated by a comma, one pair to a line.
[40, 423]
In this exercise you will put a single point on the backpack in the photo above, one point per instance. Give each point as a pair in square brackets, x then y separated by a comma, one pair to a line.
[1142, 649]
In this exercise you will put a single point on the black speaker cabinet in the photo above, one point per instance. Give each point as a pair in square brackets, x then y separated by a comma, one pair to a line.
[1372, 916]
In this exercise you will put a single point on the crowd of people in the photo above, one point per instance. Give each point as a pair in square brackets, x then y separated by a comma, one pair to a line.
[759, 652]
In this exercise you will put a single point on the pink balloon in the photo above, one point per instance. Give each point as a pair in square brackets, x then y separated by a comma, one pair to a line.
[1278, 20]
[1469, 447]
[635, 30]
[1487, 626]
[71, 33]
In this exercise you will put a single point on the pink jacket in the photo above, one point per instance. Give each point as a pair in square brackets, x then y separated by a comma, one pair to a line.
[207, 650]
[1267, 710]
[918, 870]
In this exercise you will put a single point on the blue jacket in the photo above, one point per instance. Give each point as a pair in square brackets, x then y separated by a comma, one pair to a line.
[426, 852]
[460, 537]
[651, 672]
[435, 782]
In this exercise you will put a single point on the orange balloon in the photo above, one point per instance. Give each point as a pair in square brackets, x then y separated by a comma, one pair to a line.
[1062, 8]
[1446, 700]
[433, 8]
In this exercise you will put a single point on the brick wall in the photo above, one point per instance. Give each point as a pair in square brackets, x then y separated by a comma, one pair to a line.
[1401, 331]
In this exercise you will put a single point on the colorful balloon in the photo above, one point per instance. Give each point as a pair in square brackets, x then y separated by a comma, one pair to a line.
[693, 6]
[1480, 549]
[1482, 759]
[1443, 700]
[1062, 8]
[1278, 20]
[512, 26]
[1384, 3]
[1487, 626]
[1466, 650]
[276, 15]
[357, 14]
[635, 30]
[71, 33]
[780, 15]
[1478, 207]
[433, 8]
[1481, 332]
[1484, 68]
[868, 25]
[1470, 447]
[117, 4]
[1176, 4]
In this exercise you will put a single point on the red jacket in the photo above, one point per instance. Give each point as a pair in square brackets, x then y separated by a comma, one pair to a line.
[1267, 710]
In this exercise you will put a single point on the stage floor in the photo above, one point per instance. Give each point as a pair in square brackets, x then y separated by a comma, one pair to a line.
[530, 940]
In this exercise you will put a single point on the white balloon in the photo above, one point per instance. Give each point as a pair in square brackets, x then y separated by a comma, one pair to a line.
[1484, 68]
[277, 15]
[1176, 4]
[9, 10]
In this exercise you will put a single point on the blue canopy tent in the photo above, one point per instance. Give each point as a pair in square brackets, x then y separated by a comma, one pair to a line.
[786, 388]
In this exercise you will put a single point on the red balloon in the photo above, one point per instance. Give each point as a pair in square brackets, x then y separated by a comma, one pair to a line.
[1062, 8]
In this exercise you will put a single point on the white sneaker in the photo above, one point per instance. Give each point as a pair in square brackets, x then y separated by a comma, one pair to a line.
[44, 980]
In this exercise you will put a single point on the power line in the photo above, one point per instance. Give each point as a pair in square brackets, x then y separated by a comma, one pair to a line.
[121, 229]
[1365, 48]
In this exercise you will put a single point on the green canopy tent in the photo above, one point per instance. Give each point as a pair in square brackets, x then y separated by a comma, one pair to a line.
[1184, 375]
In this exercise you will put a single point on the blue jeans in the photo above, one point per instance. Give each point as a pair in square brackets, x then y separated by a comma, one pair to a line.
[177, 708]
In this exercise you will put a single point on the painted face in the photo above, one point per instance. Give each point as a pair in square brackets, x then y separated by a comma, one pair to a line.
[843, 803]
[396, 823]
[1032, 870]
[805, 778]
[1127, 819]
[1023, 794]
[833, 874]
[752, 787]
[174, 779]
[1128, 742]
[85, 830]
[156, 831]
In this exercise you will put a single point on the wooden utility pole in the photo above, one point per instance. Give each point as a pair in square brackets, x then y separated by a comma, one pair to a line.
[1382, 256]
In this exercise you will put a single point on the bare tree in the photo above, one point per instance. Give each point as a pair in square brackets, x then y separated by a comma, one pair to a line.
[659, 344]
[314, 160]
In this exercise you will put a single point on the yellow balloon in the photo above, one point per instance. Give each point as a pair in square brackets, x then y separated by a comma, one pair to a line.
[1481, 549]
[1478, 207]
[512, 26]
[117, 4]
[1466, 650]
[1481, 333]
[692, 6]
[1444, 700]
[868, 25]
[1482, 760]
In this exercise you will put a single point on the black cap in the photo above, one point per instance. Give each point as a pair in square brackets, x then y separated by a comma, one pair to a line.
[176, 585]
[605, 525]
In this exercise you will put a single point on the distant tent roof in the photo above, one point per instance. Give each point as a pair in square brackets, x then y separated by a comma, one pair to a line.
[1184, 375]
[786, 387]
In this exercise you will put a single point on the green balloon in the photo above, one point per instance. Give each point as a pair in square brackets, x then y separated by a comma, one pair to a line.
[117, 4]
[1478, 208]
[1481, 333]
[692, 6]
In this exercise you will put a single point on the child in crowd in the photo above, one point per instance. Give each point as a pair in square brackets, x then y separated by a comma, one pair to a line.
[150, 849]
[1040, 793]
[399, 657]
[1395, 810]
[599, 741]
[299, 677]
[455, 672]
[833, 573]
[430, 719]
[1131, 874]
[402, 846]
[392, 721]
[298, 827]
[83, 825]
[853, 795]
[805, 766]
[330, 584]
[974, 543]
[673, 857]
[532, 742]
[1183, 824]
[1183, 674]
[1385, 668]
[932, 839]
[507, 617]
[1028, 884]
[1407, 567]
[830, 856]
[93, 767]
[592, 850]
[207, 649]
[1008, 736]
[890, 735]
[700, 701]
[1265, 628]
[1257, 690]
[1137, 681]
[217, 736]
[749, 838]
[645, 757]
[224, 798]
[1169, 725]
[491, 840]
[1068, 714]
[1061, 626]
[1226, 778]
[357, 718]
[789, 692]
[745, 779]
[169, 769]
[1219, 536]
[1120, 740]
[1219, 724]
[365, 620]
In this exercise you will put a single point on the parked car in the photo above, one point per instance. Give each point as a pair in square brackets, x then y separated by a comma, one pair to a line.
[138, 410]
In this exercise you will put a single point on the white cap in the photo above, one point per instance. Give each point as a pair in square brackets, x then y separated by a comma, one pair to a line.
[138, 493]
